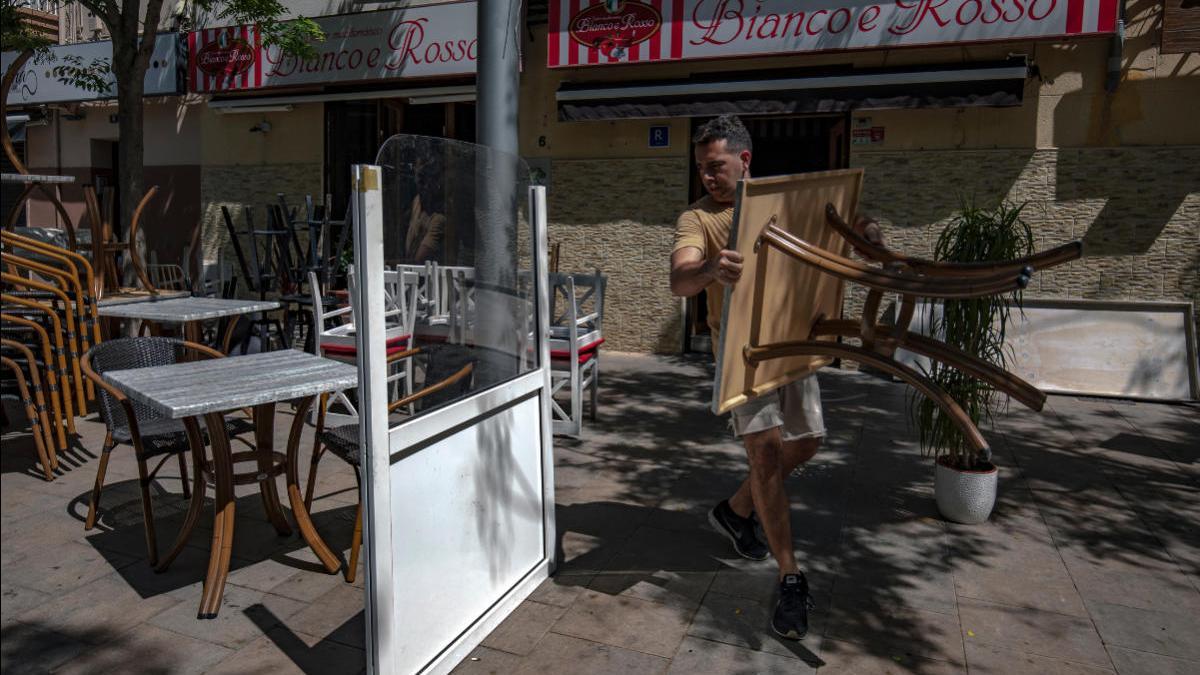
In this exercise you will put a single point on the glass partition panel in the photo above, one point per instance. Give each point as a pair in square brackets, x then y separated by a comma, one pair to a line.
[458, 284]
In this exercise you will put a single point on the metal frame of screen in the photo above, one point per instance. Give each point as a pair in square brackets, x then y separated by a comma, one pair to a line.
[384, 640]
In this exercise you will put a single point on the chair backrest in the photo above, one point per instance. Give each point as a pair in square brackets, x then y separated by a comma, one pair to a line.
[319, 313]
[126, 353]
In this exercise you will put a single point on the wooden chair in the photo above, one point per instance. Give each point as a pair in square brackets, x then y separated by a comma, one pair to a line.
[43, 297]
[576, 335]
[20, 310]
[151, 434]
[22, 353]
[69, 287]
[448, 376]
[260, 271]
[31, 334]
[913, 279]
[28, 392]
[338, 342]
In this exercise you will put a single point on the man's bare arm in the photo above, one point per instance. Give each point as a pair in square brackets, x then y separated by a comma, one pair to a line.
[691, 272]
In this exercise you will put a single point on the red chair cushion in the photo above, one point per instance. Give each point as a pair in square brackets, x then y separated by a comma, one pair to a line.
[394, 345]
[585, 350]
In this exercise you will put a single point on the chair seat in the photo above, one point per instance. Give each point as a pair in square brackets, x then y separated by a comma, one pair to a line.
[586, 349]
[395, 344]
[343, 442]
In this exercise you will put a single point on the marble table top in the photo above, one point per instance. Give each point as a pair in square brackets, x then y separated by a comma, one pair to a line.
[184, 309]
[127, 296]
[34, 178]
[219, 385]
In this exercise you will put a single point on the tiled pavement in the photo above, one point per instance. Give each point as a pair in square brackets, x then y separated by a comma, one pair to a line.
[1090, 563]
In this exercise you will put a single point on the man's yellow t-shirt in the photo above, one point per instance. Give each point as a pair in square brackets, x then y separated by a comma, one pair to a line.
[705, 225]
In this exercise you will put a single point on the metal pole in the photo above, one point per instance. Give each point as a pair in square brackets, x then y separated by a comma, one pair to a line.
[497, 79]
[497, 85]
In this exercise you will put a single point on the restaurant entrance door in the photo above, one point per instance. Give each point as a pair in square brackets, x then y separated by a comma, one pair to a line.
[782, 145]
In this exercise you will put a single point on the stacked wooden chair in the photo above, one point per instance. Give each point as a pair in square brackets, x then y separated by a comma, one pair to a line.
[48, 302]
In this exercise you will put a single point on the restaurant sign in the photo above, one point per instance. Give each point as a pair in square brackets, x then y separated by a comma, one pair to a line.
[425, 41]
[592, 32]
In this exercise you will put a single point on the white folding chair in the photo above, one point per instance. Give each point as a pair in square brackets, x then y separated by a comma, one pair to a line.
[576, 334]
[338, 342]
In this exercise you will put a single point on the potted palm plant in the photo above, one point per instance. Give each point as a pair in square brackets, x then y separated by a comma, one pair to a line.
[965, 482]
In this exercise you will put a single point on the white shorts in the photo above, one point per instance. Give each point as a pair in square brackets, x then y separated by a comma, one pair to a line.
[796, 407]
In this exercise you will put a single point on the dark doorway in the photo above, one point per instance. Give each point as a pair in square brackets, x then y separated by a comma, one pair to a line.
[355, 130]
[782, 145]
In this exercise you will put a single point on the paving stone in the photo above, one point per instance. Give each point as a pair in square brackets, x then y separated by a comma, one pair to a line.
[1133, 662]
[1032, 631]
[677, 589]
[1051, 593]
[64, 567]
[588, 658]
[1162, 590]
[897, 629]
[924, 589]
[152, 649]
[649, 549]
[560, 590]
[743, 622]
[244, 616]
[281, 651]
[704, 657]
[14, 600]
[1167, 633]
[524, 627]
[987, 659]
[337, 615]
[26, 648]
[484, 661]
[108, 601]
[844, 658]
[626, 622]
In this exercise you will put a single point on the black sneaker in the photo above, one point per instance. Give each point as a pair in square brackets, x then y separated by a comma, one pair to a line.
[739, 531]
[791, 611]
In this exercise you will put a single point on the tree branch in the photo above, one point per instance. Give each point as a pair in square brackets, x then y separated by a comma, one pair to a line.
[107, 10]
[150, 29]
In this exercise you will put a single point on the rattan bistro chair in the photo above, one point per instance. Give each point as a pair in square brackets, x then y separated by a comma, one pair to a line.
[150, 433]
[448, 376]
[34, 407]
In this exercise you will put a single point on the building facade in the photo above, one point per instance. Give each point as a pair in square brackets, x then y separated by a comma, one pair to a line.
[1088, 122]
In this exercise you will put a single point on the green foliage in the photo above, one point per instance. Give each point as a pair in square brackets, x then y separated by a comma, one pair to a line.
[294, 36]
[93, 76]
[975, 325]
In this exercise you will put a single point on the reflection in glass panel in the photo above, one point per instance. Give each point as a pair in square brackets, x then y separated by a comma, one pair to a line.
[458, 282]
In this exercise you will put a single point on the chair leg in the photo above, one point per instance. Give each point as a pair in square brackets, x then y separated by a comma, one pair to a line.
[355, 545]
[183, 476]
[317, 451]
[144, 481]
[595, 387]
[94, 502]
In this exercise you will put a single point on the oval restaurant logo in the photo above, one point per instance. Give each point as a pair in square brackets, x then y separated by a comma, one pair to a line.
[615, 26]
[234, 57]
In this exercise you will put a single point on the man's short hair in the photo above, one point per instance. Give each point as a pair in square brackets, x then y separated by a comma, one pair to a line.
[728, 128]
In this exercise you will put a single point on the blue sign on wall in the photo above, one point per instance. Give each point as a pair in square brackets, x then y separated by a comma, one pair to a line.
[660, 136]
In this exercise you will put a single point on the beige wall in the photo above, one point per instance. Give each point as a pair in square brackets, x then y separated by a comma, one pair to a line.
[1091, 164]
[83, 149]
[242, 168]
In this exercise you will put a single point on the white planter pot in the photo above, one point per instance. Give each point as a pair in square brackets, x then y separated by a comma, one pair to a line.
[964, 496]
